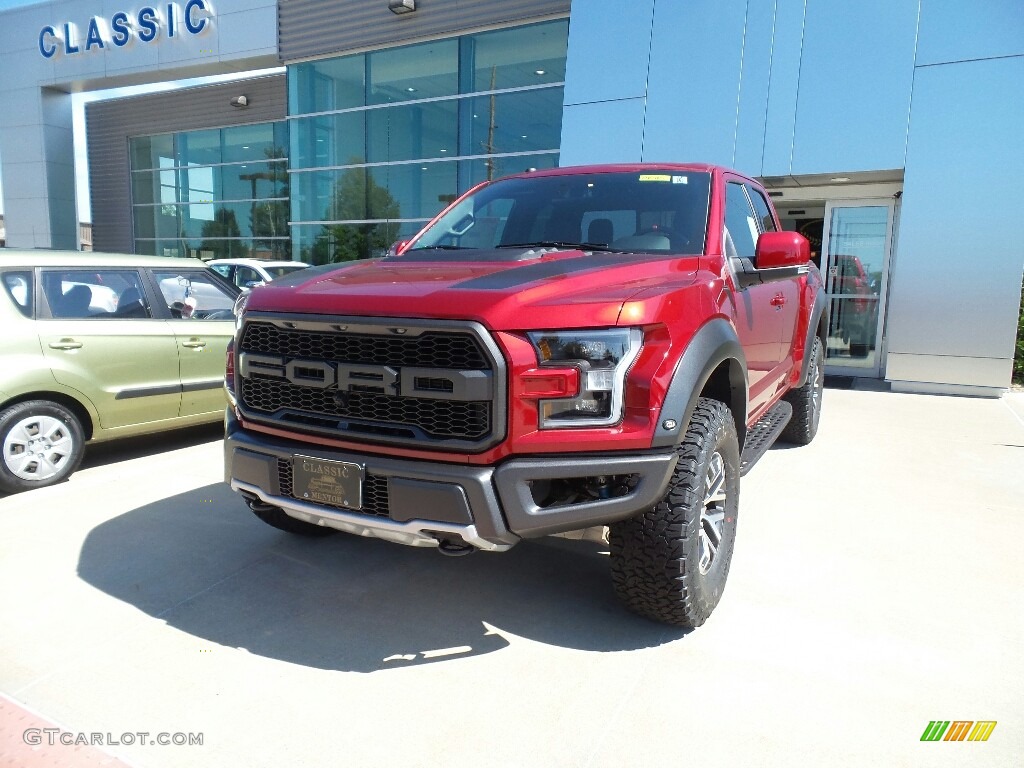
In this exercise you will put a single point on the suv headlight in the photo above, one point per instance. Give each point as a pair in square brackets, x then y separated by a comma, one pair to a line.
[603, 358]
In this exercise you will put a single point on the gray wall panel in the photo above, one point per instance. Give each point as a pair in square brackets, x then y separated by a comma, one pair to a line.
[691, 106]
[856, 73]
[755, 79]
[784, 83]
[608, 72]
[109, 124]
[956, 282]
[311, 28]
[989, 29]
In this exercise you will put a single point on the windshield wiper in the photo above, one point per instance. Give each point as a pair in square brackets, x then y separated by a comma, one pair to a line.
[441, 248]
[560, 244]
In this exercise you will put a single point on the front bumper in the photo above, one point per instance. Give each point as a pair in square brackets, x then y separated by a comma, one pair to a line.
[428, 503]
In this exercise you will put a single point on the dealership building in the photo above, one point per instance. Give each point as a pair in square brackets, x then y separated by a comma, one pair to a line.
[882, 129]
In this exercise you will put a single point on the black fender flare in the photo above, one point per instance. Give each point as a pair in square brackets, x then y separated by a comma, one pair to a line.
[714, 343]
[815, 327]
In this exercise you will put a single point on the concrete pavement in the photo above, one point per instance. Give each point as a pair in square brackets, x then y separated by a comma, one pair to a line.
[875, 587]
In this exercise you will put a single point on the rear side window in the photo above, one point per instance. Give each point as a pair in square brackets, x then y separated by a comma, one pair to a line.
[19, 288]
[94, 294]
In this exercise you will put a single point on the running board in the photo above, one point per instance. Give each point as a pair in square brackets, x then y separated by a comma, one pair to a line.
[763, 434]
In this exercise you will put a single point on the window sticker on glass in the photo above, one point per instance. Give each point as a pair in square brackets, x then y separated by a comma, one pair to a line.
[655, 177]
[679, 179]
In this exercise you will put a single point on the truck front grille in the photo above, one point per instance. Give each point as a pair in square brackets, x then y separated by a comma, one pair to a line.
[391, 381]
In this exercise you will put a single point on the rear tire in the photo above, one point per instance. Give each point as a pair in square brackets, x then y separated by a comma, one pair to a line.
[42, 444]
[806, 401]
[278, 518]
[670, 563]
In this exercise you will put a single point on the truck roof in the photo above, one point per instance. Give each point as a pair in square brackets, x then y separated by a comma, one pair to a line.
[575, 170]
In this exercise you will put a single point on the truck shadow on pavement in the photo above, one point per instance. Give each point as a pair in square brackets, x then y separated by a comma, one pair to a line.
[202, 563]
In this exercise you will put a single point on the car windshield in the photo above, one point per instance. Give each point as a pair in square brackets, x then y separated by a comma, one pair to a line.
[649, 211]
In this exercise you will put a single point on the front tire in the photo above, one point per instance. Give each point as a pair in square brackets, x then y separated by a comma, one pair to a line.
[670, 563]
[42, 443]
[806, 401]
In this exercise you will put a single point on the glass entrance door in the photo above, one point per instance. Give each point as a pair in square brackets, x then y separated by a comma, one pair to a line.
[857, 240]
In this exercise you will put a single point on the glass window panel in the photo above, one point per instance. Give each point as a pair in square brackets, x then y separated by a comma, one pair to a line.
[329, 140]
[514, 58]
[220, 220]
[160, 248]
[423, 71]
[248, 142]
[199, 185]
[199, 147]
[477, 171]
[740, 224]
[761, 209]
[154, 187]
[149, 152]
[19, 286]
[156, 220]
[329, 195]
[320, 86]
[412, 190]
[269, 219]
[195, 295]
[253, 181]
[326, 244]
[94, 294]
[413, 131]
[515, 122]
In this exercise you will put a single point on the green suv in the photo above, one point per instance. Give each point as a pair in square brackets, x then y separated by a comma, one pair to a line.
[97, 346]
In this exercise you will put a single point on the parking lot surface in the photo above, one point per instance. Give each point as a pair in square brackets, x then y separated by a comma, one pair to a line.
[876, 587]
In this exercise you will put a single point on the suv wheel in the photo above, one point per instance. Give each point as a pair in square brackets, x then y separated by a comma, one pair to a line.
[671, 562]
[42, 444]
[806, 401]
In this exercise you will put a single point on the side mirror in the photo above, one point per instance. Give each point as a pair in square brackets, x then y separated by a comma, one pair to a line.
[781, 249]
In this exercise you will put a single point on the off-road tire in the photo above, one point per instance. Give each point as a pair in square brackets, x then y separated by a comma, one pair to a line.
[277, 518]
[656, 556]
[806, 401]
[43, 429]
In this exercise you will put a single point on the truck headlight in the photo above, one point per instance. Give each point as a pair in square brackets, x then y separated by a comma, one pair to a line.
[603, 358]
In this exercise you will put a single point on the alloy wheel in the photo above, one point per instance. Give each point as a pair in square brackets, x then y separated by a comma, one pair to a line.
[712, 513]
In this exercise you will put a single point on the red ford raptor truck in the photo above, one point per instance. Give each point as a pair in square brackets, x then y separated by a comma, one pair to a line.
[607, 345]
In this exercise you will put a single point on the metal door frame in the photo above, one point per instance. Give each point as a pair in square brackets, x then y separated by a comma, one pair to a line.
[874, 371]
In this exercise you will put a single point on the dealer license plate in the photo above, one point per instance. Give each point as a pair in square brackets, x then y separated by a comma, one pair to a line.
[338, 483]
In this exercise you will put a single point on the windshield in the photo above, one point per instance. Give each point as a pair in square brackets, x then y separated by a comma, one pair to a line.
[652, 211]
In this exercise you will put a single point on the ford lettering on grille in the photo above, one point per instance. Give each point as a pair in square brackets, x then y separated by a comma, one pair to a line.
[388, 381]
[432, 383]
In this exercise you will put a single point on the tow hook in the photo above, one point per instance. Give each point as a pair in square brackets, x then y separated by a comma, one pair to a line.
[452, 548]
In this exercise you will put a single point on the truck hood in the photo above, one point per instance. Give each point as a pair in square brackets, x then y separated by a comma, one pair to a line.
[503, 290]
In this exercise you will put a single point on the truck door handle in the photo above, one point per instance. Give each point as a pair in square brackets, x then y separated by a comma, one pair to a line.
[194, 343]
[778, 300]
[66, 344]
